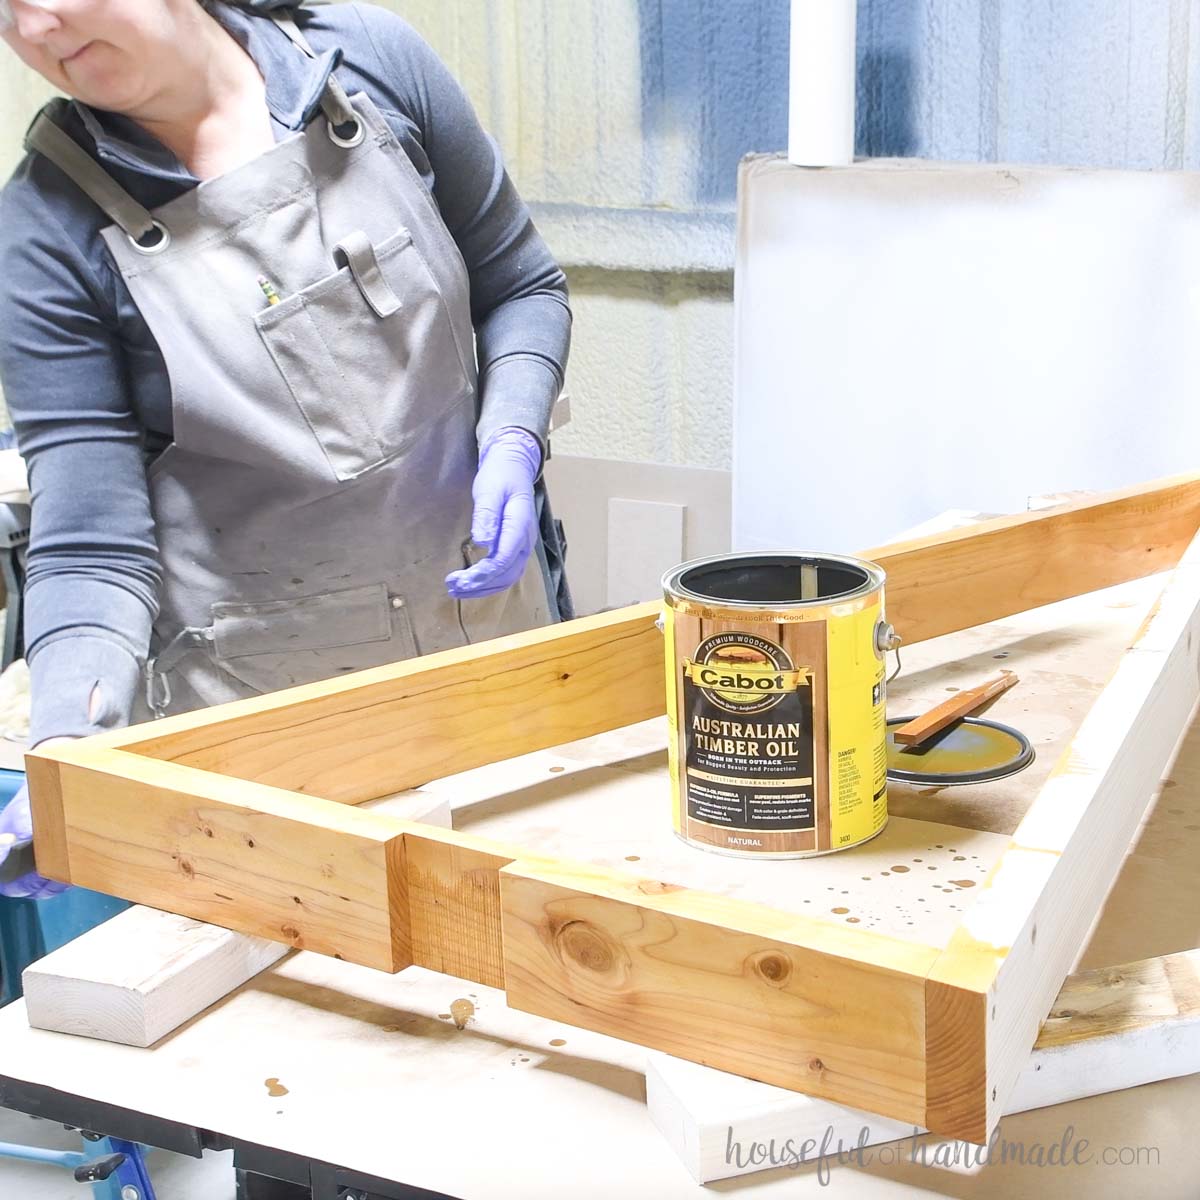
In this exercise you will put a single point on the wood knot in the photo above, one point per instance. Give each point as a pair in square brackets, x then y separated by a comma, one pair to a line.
[292, 934]
[656, 887]
[1062, 1014]
[816, 1066]
[187, 869]
[772, 967]
[586, 946]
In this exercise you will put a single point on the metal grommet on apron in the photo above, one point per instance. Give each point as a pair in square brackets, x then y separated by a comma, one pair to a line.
[155, 247]
[313, 312]
[347, 140]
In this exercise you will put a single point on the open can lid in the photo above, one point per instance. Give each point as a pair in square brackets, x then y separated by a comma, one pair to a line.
[972, 750]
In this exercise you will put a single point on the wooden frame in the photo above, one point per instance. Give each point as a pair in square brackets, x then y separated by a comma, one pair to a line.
[245, 816]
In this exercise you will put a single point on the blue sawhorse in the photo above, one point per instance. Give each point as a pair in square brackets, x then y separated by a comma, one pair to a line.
[116, 1169]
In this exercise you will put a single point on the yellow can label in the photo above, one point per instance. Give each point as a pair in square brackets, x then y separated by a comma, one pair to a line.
[857, 729]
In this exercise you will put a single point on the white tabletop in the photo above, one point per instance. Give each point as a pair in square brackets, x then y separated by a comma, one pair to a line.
[379, 1079]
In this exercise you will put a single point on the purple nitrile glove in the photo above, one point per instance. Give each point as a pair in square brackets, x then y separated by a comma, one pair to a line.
[505, 519]
[16, 833]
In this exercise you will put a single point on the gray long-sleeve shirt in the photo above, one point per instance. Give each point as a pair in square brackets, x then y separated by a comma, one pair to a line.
[87, 385]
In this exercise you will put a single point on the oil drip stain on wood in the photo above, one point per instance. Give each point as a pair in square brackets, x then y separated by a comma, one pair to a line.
[274, 1087]
[462, 1011]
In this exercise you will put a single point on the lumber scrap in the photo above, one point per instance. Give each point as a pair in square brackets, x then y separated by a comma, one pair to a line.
[140, 975]
[921, 729]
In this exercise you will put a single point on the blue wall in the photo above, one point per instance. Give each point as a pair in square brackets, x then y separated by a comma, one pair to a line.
[719, 69]
[1106, 83]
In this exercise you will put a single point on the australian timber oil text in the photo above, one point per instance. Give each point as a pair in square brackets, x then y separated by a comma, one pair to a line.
[749, 740]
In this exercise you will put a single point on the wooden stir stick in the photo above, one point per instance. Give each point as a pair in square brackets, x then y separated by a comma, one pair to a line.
[936, 719]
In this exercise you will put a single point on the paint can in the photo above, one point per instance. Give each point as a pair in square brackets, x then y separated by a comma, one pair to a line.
[775, 700]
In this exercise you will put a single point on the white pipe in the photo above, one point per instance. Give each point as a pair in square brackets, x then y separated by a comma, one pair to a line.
[821, 86]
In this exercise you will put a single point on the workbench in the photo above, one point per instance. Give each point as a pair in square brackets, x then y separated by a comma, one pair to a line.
[323, 1071]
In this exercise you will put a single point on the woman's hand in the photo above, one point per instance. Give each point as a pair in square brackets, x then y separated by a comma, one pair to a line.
[505, 518]
[16, 843]
[16, 839]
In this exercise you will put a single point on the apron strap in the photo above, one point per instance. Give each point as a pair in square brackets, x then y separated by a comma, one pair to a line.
[335, 104]
[86, 173]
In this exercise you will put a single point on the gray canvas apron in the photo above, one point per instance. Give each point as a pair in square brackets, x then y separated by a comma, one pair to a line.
[318, 489]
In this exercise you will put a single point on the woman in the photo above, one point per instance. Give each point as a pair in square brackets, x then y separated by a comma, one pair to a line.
[246, 274]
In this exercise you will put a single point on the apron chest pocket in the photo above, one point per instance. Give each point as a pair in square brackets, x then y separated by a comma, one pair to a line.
[369, 353]
[275, 644]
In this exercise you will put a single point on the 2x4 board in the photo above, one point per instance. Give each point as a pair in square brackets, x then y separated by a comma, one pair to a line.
[246, 816]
